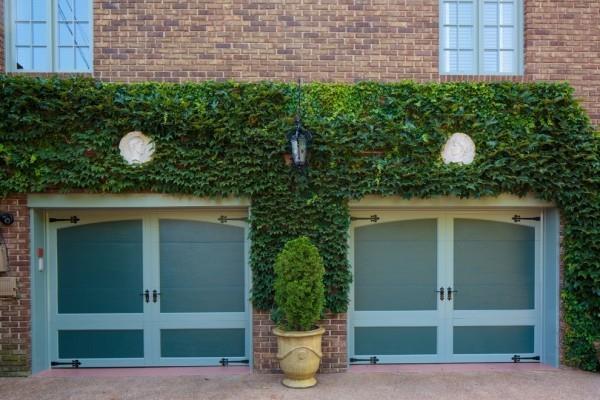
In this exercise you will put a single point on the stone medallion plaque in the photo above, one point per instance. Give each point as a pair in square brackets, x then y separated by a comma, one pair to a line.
[136, 148]
[459, 148]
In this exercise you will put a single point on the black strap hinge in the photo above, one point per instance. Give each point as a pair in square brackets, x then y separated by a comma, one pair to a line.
[371, 360]
[224, 218]
[72, 363]
[73, 219]
[225, 362]
[372, 218]
[518, 218]
[517, 358]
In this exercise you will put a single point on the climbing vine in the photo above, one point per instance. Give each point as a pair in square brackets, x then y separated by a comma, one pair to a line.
[226, 139]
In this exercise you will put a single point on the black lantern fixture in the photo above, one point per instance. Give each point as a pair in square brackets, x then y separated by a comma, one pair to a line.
[299, 138]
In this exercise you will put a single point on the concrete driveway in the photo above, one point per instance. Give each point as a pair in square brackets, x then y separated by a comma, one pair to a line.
[529, 385]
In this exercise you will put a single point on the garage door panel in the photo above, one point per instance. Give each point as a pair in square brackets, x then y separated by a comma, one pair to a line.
[458, 288]
[202, 342]
[193, 271]
[395, 340]
[82, 344]
[494, 265]
[198, 272]
[100, 268]
[395, 266]
[493, 339]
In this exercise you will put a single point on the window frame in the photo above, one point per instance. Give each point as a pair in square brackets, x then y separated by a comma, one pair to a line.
[478, 40]
[53, 26]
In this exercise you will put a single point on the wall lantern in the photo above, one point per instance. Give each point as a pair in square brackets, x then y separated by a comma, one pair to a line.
[299, 138]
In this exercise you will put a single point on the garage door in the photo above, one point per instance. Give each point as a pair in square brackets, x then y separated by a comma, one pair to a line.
[148, 289]
[432, 287]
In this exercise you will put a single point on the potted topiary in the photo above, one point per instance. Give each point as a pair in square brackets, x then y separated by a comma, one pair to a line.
[299, 301]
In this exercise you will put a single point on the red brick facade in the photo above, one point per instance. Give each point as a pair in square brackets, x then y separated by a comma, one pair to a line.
[338, 40]
[335, 354]
[15, 313]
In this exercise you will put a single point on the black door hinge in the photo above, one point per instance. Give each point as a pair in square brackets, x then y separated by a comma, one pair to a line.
[518, 218]
[371, 360]
[74, 219]
[72, 363]
[517, 358]
[372, 218]
[225, 362]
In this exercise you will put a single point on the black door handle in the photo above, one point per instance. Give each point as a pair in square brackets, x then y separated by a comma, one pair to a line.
[155, 295]
[441, 292]
[146, 295]
[450, 291]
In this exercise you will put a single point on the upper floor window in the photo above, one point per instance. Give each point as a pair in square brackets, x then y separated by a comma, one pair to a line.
[481, 37]
[49, 35]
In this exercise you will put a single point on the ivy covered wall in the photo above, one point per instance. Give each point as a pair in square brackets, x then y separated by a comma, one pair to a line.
[227, 139]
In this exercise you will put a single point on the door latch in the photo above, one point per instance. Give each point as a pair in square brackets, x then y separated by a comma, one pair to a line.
[146, 295]
[155, 295]
[441, 292]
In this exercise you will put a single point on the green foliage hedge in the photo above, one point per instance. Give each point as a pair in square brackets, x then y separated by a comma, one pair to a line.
[299, 289]
[226, 139]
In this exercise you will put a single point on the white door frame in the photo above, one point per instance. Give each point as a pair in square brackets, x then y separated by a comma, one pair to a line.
[493, 209]
[149, 320]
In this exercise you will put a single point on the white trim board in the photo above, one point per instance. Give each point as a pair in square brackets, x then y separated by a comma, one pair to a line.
[446, 202]
[136, 200]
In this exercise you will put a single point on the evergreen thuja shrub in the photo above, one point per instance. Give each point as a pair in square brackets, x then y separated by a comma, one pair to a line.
[299, 289]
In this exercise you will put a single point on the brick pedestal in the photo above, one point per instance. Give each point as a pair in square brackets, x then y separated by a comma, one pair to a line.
[335, 354]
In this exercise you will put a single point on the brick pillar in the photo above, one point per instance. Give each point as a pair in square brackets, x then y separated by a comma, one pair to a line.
[335, 353]
[15, 313]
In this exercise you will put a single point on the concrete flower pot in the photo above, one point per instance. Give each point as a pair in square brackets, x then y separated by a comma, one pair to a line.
[597, 347]
[299, 355]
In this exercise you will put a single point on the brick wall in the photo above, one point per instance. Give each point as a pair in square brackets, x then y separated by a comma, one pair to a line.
[327, 40]
[337, 40]
[15, 339]
[335, 354]
[562, 42]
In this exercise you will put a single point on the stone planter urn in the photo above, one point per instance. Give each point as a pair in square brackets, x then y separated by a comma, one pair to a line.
[596, 344]
[299, 297]
[299, 355]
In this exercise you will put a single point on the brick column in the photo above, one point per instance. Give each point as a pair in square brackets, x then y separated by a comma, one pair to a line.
[15, 313]
[335, 354]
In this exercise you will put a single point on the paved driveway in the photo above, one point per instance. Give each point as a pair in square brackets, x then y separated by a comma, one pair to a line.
[529, 385]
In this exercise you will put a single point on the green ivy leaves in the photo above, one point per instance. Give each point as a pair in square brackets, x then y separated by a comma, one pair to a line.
[227, 139]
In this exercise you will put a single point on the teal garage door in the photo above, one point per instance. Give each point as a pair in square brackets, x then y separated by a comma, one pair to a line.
[444, 287]
[155, 289]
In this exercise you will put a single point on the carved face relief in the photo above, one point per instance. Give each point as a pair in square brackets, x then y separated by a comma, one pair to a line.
[136, 148]
[459, 149]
